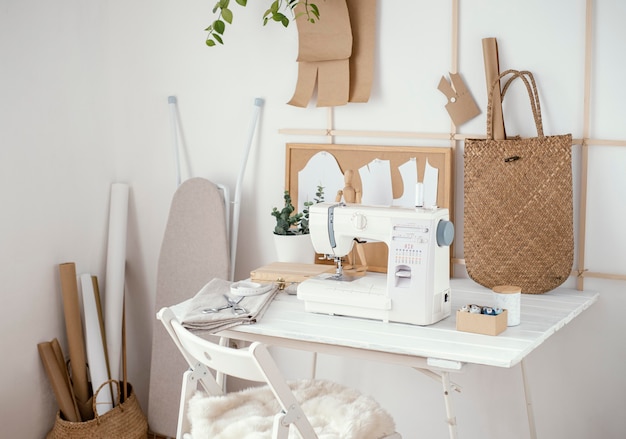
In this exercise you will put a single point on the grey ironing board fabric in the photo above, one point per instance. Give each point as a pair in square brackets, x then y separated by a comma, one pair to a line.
[194, 251]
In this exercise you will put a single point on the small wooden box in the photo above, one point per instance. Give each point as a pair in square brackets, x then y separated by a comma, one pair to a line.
[481, 323]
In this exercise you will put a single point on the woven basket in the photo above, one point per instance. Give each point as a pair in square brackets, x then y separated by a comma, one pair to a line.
[518, 205]
[124, 421]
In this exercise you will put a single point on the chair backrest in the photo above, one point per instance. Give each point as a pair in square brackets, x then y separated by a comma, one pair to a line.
[253, 363]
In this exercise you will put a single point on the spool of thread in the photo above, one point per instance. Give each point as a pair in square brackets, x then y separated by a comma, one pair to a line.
[419, 194]
[509, 297]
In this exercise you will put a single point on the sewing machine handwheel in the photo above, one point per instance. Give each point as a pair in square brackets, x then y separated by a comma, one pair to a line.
[445, 233]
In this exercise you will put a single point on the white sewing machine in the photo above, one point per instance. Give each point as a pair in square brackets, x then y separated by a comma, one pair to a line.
[416, 288]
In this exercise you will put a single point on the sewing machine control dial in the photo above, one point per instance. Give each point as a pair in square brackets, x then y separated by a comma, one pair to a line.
[359, 221]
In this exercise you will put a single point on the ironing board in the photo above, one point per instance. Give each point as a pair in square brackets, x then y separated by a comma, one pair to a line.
[194, 250]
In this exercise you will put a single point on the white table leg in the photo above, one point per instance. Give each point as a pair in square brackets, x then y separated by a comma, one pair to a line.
[445, 380]
[529, 406]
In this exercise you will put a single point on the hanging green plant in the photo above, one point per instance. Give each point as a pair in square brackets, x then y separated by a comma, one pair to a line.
[277, 12]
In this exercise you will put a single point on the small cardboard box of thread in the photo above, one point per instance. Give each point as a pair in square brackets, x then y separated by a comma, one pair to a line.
[481, 323]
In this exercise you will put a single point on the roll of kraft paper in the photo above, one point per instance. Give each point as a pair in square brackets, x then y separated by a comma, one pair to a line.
[115, 271]
[74, 330]
[56, 377]
[95, 348]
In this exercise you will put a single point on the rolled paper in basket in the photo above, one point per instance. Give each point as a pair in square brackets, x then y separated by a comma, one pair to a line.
[509, 297]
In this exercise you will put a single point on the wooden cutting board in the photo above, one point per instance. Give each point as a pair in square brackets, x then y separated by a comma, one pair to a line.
[288, 272]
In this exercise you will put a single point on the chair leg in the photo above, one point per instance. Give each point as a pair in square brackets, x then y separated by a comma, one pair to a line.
[280, 430]
[188, 387]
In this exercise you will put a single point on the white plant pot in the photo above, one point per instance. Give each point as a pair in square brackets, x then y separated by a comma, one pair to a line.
[294, 248]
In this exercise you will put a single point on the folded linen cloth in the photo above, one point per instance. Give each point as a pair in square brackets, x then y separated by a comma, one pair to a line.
[212, 295]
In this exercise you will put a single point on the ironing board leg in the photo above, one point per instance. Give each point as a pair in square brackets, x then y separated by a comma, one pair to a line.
[529, 406]
[445, 380]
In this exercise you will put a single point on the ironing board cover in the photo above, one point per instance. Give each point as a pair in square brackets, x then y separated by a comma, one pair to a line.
[194, 251]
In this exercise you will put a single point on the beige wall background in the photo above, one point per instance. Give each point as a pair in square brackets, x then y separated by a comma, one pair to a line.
[84, 104]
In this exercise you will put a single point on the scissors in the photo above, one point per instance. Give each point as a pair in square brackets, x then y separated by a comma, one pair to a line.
[230, 303]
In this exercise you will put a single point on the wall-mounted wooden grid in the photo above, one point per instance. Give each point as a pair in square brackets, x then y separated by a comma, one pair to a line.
[580, 272]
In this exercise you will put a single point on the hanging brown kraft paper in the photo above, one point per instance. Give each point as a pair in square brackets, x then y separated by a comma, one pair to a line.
[336, 53]
[518, 204]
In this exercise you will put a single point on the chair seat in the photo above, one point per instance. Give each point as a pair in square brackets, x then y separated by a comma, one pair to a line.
[335, 412]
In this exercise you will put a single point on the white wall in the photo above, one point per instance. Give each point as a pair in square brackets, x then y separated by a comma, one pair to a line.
[84, 104]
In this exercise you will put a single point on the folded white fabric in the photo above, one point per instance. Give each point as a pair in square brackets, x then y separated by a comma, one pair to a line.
[214, 296]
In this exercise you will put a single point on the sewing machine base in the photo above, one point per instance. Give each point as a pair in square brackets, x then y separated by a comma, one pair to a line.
[364, 297]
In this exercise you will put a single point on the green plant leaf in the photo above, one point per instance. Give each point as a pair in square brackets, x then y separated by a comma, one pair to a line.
[242, 2]
[227, 15]
[315, 11]
[210, 43]
[218, 38]
[224, 4]
[219, 26]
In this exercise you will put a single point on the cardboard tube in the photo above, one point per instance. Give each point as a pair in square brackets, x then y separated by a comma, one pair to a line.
[115, 272]
[492, 71]
[74, 330]
[58, 353]
[57, 381]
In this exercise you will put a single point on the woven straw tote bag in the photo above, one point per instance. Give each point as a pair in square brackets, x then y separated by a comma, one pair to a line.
[518, 204]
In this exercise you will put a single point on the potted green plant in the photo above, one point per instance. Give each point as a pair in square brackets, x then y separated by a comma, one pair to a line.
[291, 232]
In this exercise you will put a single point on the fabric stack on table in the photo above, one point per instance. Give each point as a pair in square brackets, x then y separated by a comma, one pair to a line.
[218, 306]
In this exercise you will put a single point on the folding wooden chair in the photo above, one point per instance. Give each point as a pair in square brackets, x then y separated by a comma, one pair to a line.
[253, 363]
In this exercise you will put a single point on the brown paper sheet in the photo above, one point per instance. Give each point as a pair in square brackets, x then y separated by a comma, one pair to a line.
[58, 382]
[76, 342]
[363, 21]
[492, 71]
[333, 88]
[336, 53]
[461, 105]
[329, 38]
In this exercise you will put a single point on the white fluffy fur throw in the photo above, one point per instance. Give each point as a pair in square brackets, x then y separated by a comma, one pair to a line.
[335, 412]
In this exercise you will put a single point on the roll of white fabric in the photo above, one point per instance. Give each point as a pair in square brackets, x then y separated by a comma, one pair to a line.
[115, 272]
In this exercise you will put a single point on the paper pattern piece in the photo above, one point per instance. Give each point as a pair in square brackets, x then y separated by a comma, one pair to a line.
[461, 105]
[492, 72]
[321, 170]
[376, 182]
[408, 172]
[431, 178]
[336, 53]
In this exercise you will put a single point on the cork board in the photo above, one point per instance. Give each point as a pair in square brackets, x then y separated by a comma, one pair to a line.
[354, 157]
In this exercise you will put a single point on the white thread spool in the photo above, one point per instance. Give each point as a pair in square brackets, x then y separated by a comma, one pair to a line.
[509, 297]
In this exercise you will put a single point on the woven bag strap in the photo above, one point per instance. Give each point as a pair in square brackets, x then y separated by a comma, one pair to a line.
[95, 397]
[531, 87]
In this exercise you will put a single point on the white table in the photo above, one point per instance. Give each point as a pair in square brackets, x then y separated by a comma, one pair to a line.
[435, 350]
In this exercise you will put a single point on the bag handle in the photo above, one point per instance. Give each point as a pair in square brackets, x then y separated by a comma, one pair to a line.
[531, 87]
[95, 397]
